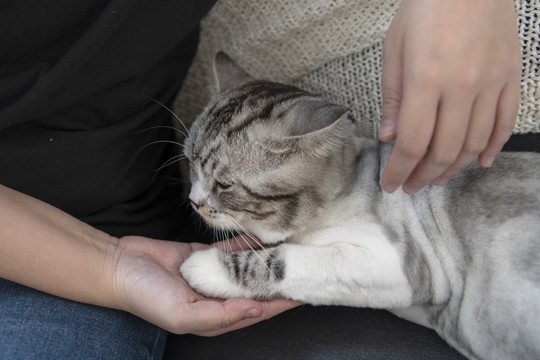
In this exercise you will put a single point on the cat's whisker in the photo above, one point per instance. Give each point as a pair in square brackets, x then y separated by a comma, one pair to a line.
[164, 127]
[239, 244]
[178, 180]
[171, 161]
[243, 231]
[260, 258]
[220, 236]
[244, 235]
[173, 114]
[161, 142]
[256, 241]
[217, 235]
[230, 245]
[226, 238]
[230, 236]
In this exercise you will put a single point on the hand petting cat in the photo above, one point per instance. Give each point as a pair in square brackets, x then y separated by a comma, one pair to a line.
[451, 75]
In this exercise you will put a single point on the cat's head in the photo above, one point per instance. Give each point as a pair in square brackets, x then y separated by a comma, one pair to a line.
[264, 157]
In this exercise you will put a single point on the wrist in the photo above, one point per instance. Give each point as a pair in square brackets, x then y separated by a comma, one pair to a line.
[46, 249]
[107, 253]
[113, 279]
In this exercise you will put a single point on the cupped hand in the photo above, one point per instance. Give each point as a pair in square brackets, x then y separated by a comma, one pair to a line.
[451, 77]
[147, 283]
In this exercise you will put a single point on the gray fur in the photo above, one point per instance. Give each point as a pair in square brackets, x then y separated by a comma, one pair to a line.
[285, 165]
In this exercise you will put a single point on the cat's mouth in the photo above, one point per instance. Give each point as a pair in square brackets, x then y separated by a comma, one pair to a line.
[241, 222]
[214, 218]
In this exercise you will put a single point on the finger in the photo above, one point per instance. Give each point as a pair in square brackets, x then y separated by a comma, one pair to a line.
[198, 246]
[478, 134]
[447, 141]
[505, 121]
[387, 130]
[210, 318]
[270, 309]
[415, 127]
[391, 82]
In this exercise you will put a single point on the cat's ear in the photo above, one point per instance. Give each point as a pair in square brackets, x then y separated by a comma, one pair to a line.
[321, 143]
[228, 73]
[324, 142]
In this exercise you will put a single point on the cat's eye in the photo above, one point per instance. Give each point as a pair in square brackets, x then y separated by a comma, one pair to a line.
[222, 186]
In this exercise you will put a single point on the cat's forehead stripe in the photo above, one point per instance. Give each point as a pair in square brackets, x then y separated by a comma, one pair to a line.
[265, 112]
[258, 98]
[219, 118]
[210, 150]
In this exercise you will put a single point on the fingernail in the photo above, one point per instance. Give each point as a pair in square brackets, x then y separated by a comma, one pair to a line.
[253, 313]
[388, 127]
[487, 162]
[390, 188]
[410, 189]
[440, 181]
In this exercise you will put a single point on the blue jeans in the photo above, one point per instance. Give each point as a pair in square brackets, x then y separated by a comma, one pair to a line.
[34, 325]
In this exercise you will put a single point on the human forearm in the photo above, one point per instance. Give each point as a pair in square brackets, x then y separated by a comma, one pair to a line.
[49, 250]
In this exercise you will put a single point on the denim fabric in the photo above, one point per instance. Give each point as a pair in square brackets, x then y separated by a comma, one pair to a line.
[34, 325]
[319, 333]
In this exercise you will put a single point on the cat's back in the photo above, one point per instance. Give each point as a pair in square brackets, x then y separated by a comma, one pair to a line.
[490, 225]
[485, 198]
[493, 210]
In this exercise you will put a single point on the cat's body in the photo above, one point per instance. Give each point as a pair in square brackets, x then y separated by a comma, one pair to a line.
[286, 166]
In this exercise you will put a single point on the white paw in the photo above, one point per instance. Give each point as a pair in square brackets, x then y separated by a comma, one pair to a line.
[206, 273]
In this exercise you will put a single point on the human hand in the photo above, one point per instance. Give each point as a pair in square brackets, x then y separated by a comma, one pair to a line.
[148, 283]
[451, 77]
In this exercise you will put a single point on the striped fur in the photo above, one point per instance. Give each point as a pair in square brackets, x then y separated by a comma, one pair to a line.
[285, 166]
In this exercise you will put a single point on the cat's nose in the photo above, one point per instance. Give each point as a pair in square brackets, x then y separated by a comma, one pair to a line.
[196, 196]
[195, 205]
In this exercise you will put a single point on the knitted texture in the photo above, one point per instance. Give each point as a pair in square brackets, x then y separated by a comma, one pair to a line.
[329, 47]
[337, 81]
[528, 12]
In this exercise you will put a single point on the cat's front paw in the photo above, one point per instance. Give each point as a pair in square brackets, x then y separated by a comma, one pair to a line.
[206, 273]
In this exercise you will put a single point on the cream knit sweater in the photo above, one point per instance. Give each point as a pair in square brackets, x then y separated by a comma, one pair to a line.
[329, 47]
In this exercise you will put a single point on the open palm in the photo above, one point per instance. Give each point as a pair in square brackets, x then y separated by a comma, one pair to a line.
[148, 283]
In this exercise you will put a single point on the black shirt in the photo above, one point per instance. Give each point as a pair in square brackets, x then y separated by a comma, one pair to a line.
[77, 79]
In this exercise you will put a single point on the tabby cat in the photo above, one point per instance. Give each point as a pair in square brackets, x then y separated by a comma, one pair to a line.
[286, 166]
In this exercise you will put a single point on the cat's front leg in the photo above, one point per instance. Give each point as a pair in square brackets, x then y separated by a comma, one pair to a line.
[343, 273]
[252, 274]
[365, 273]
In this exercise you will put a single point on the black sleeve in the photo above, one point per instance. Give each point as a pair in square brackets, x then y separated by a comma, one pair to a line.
[523, 142]
[77, 79]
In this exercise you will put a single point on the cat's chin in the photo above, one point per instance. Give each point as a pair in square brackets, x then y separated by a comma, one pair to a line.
[269, 238]
[263, 236]
[219, 223]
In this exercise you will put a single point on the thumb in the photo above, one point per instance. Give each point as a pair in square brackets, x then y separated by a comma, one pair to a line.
[391, 88]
